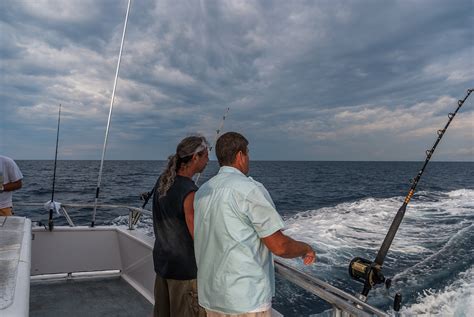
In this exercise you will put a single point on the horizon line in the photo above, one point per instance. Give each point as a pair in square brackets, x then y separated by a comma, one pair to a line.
[255, 160]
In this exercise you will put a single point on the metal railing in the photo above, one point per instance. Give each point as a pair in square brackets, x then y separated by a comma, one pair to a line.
[344, 304]
[134, 213]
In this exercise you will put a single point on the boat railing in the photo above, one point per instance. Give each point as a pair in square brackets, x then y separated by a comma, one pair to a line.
[134, 213]
[343, 303]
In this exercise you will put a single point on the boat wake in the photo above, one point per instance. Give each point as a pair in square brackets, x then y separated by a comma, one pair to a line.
[432, 248]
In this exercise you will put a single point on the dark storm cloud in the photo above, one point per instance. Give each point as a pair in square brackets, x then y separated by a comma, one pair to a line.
[305, 80]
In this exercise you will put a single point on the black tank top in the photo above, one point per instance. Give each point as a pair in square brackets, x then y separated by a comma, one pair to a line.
[173, 253]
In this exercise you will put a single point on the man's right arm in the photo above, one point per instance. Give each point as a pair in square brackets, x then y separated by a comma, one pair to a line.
[9, 187]
[286, 247]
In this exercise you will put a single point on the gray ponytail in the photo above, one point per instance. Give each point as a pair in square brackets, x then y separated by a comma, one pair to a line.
[184, 153]
[168, 176]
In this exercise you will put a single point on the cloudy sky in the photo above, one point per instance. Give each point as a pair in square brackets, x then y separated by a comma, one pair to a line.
[304, 80]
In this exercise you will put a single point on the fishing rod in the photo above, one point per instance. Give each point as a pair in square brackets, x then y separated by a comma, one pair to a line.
[221, 126]
[370, 273]
[147, 195]
[110, 115]
[218, 132]
[50, 220]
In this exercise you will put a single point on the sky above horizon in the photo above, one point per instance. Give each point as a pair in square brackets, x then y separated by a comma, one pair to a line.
[304, 80]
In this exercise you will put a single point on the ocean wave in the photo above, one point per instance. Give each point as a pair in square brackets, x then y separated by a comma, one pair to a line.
[456, 299]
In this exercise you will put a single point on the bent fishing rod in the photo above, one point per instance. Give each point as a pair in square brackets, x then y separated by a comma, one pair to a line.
[147, 195]
[370, 273]
[50, 220]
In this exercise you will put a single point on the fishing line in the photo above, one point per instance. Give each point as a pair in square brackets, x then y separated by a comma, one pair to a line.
[370, 273]
[110, 115]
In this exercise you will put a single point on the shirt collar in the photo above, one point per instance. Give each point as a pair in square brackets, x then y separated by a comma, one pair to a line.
[230, 169]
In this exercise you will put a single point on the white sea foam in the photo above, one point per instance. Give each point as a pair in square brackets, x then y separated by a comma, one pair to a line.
[466, 193]
[456, 299]
[436, 225]
[364, 223]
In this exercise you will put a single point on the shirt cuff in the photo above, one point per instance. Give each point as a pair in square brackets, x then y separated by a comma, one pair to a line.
[271, 230]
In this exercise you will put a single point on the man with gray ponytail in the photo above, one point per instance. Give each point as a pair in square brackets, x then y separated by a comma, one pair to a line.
[173, 223]
[236, 231]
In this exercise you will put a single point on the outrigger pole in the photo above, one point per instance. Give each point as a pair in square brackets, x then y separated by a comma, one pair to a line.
[110, 115]
[370, 273]
[50, 220]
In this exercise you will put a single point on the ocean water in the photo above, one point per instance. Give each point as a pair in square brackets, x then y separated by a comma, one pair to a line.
[343, 209]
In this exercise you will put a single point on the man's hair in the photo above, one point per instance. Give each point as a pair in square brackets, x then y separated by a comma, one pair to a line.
[228, 145]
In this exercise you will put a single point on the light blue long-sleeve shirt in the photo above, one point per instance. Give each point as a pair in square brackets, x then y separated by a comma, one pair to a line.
[235, 269]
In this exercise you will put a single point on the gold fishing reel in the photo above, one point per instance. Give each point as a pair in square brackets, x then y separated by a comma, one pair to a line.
[367, 272]
[370, 274]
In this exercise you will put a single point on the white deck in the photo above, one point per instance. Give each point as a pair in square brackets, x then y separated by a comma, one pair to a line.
[84, 249]
[70, 254]
[15, 248]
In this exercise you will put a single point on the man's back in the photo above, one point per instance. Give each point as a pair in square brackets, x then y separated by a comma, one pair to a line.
[235, 269]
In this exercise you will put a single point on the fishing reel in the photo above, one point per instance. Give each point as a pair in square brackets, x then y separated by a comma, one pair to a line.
[370, 274]
[367, 272]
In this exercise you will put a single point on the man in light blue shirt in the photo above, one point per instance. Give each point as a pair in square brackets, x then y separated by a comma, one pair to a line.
[236, 230]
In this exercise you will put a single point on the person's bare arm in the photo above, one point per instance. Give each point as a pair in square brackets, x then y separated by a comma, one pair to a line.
[12, 186]
[189, 212]
[286, 247]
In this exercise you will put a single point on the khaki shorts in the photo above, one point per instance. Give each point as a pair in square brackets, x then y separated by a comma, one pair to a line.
[267, 313]
[176, 298]
[6, 211]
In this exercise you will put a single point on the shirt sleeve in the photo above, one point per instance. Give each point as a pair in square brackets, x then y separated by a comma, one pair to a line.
[262, 213]
[189, 187]
[14, 173]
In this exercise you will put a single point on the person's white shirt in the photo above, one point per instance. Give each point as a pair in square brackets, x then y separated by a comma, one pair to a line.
[236, 274]
[9, 173]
